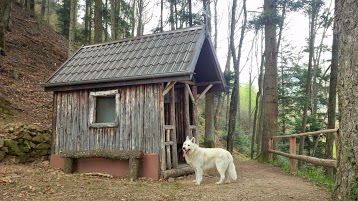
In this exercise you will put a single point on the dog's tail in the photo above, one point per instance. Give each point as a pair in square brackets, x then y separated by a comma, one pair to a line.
[232, 171]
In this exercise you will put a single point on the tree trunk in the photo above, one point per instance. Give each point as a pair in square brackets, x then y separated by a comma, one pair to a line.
[43, 9]
[87, 30]
[346, 182]
[171, 17]
[191, 13]
[209, 139]
[114, 25]
[161, 14]
[332, 99]
[72, 29]
[4, 23]
[140, 18]
[309, 79]
[270, 110]
[98, 29]
[234, 103]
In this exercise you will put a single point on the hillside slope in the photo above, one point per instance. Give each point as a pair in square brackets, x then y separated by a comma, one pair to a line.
[34, 52]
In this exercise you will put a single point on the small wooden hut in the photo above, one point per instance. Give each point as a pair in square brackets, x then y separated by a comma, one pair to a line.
[125, 107]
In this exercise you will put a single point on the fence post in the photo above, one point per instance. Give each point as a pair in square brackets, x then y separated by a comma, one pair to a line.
[293, 152]
[270, 155]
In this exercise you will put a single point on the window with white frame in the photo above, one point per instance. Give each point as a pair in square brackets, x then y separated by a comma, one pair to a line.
[104, 108]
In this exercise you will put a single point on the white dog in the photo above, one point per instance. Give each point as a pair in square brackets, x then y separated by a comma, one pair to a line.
[202, 159]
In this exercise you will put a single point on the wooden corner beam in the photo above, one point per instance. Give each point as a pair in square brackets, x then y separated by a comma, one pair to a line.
[168, 87]
[204, 92]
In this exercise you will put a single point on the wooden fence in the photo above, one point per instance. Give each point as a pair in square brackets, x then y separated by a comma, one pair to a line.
[293, 156]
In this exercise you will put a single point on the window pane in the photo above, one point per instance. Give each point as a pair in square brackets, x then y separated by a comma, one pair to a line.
[105, 109]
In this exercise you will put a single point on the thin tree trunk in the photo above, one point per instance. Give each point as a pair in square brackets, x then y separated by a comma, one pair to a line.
[114, 28]
[161, 15]
[171, 17]
[191, 13]
[4, 23]
[332, 98]
[140, 18]
[72, 29]
[234, 103]
[309, 80]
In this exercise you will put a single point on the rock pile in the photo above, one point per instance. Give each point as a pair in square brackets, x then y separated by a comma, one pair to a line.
[24, 143]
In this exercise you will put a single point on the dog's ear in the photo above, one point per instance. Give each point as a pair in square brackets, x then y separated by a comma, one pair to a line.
[187, 138]
[193, 140]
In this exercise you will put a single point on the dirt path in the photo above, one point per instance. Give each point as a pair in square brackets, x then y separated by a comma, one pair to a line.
[255, 182]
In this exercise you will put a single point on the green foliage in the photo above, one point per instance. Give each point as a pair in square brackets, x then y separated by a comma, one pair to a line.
[316, 174]
[311, 172]
[241, 140]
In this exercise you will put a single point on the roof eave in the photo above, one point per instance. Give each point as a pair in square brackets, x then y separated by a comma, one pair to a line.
[146, 79]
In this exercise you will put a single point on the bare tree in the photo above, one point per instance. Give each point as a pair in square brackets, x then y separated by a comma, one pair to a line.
[332, 98]
[234, 102]
[314, 7]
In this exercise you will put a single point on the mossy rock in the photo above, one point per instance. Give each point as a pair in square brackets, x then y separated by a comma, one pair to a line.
[2, 155]
[25, 147]
[1, 142]
[22, 158]
[43, 146]
[27, 136]
[41, 152]
[13, 147]
[46, 137]
[38, 139]
[4, 149]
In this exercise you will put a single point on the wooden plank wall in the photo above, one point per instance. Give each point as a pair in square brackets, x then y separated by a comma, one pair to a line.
[139, 120]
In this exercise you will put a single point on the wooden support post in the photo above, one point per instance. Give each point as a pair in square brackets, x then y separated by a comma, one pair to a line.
[194, 90]
[162, 132]
[167, 149]
[133, 168]
[270, 154]
[173, 132]
[186, 113]
[68, 165]
[293, 151]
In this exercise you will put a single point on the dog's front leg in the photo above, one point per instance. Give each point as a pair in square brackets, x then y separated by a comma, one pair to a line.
[199, 176]
[196, 176]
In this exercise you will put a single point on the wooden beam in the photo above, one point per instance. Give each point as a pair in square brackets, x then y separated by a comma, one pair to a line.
[190, 93]
[188, 82]
[167, 89]
[207, 83]
[314, 160]
[204, 92]
[308, 133]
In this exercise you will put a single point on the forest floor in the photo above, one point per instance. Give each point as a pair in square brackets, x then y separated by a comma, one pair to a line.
[256, 181]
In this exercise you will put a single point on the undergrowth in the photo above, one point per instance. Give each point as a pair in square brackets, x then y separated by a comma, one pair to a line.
[311, 172]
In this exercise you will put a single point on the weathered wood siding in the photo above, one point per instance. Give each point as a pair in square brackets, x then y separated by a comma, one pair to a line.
[139, 126]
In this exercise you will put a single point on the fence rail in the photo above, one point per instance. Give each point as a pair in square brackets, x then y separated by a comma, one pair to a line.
[293, 156]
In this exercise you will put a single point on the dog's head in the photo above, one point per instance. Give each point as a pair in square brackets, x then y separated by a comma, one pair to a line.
[189, 146]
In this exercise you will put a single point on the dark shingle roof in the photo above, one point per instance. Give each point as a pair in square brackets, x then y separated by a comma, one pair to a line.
[165, 54]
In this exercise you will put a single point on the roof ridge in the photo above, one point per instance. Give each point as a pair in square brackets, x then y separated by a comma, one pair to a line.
[144, 36]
